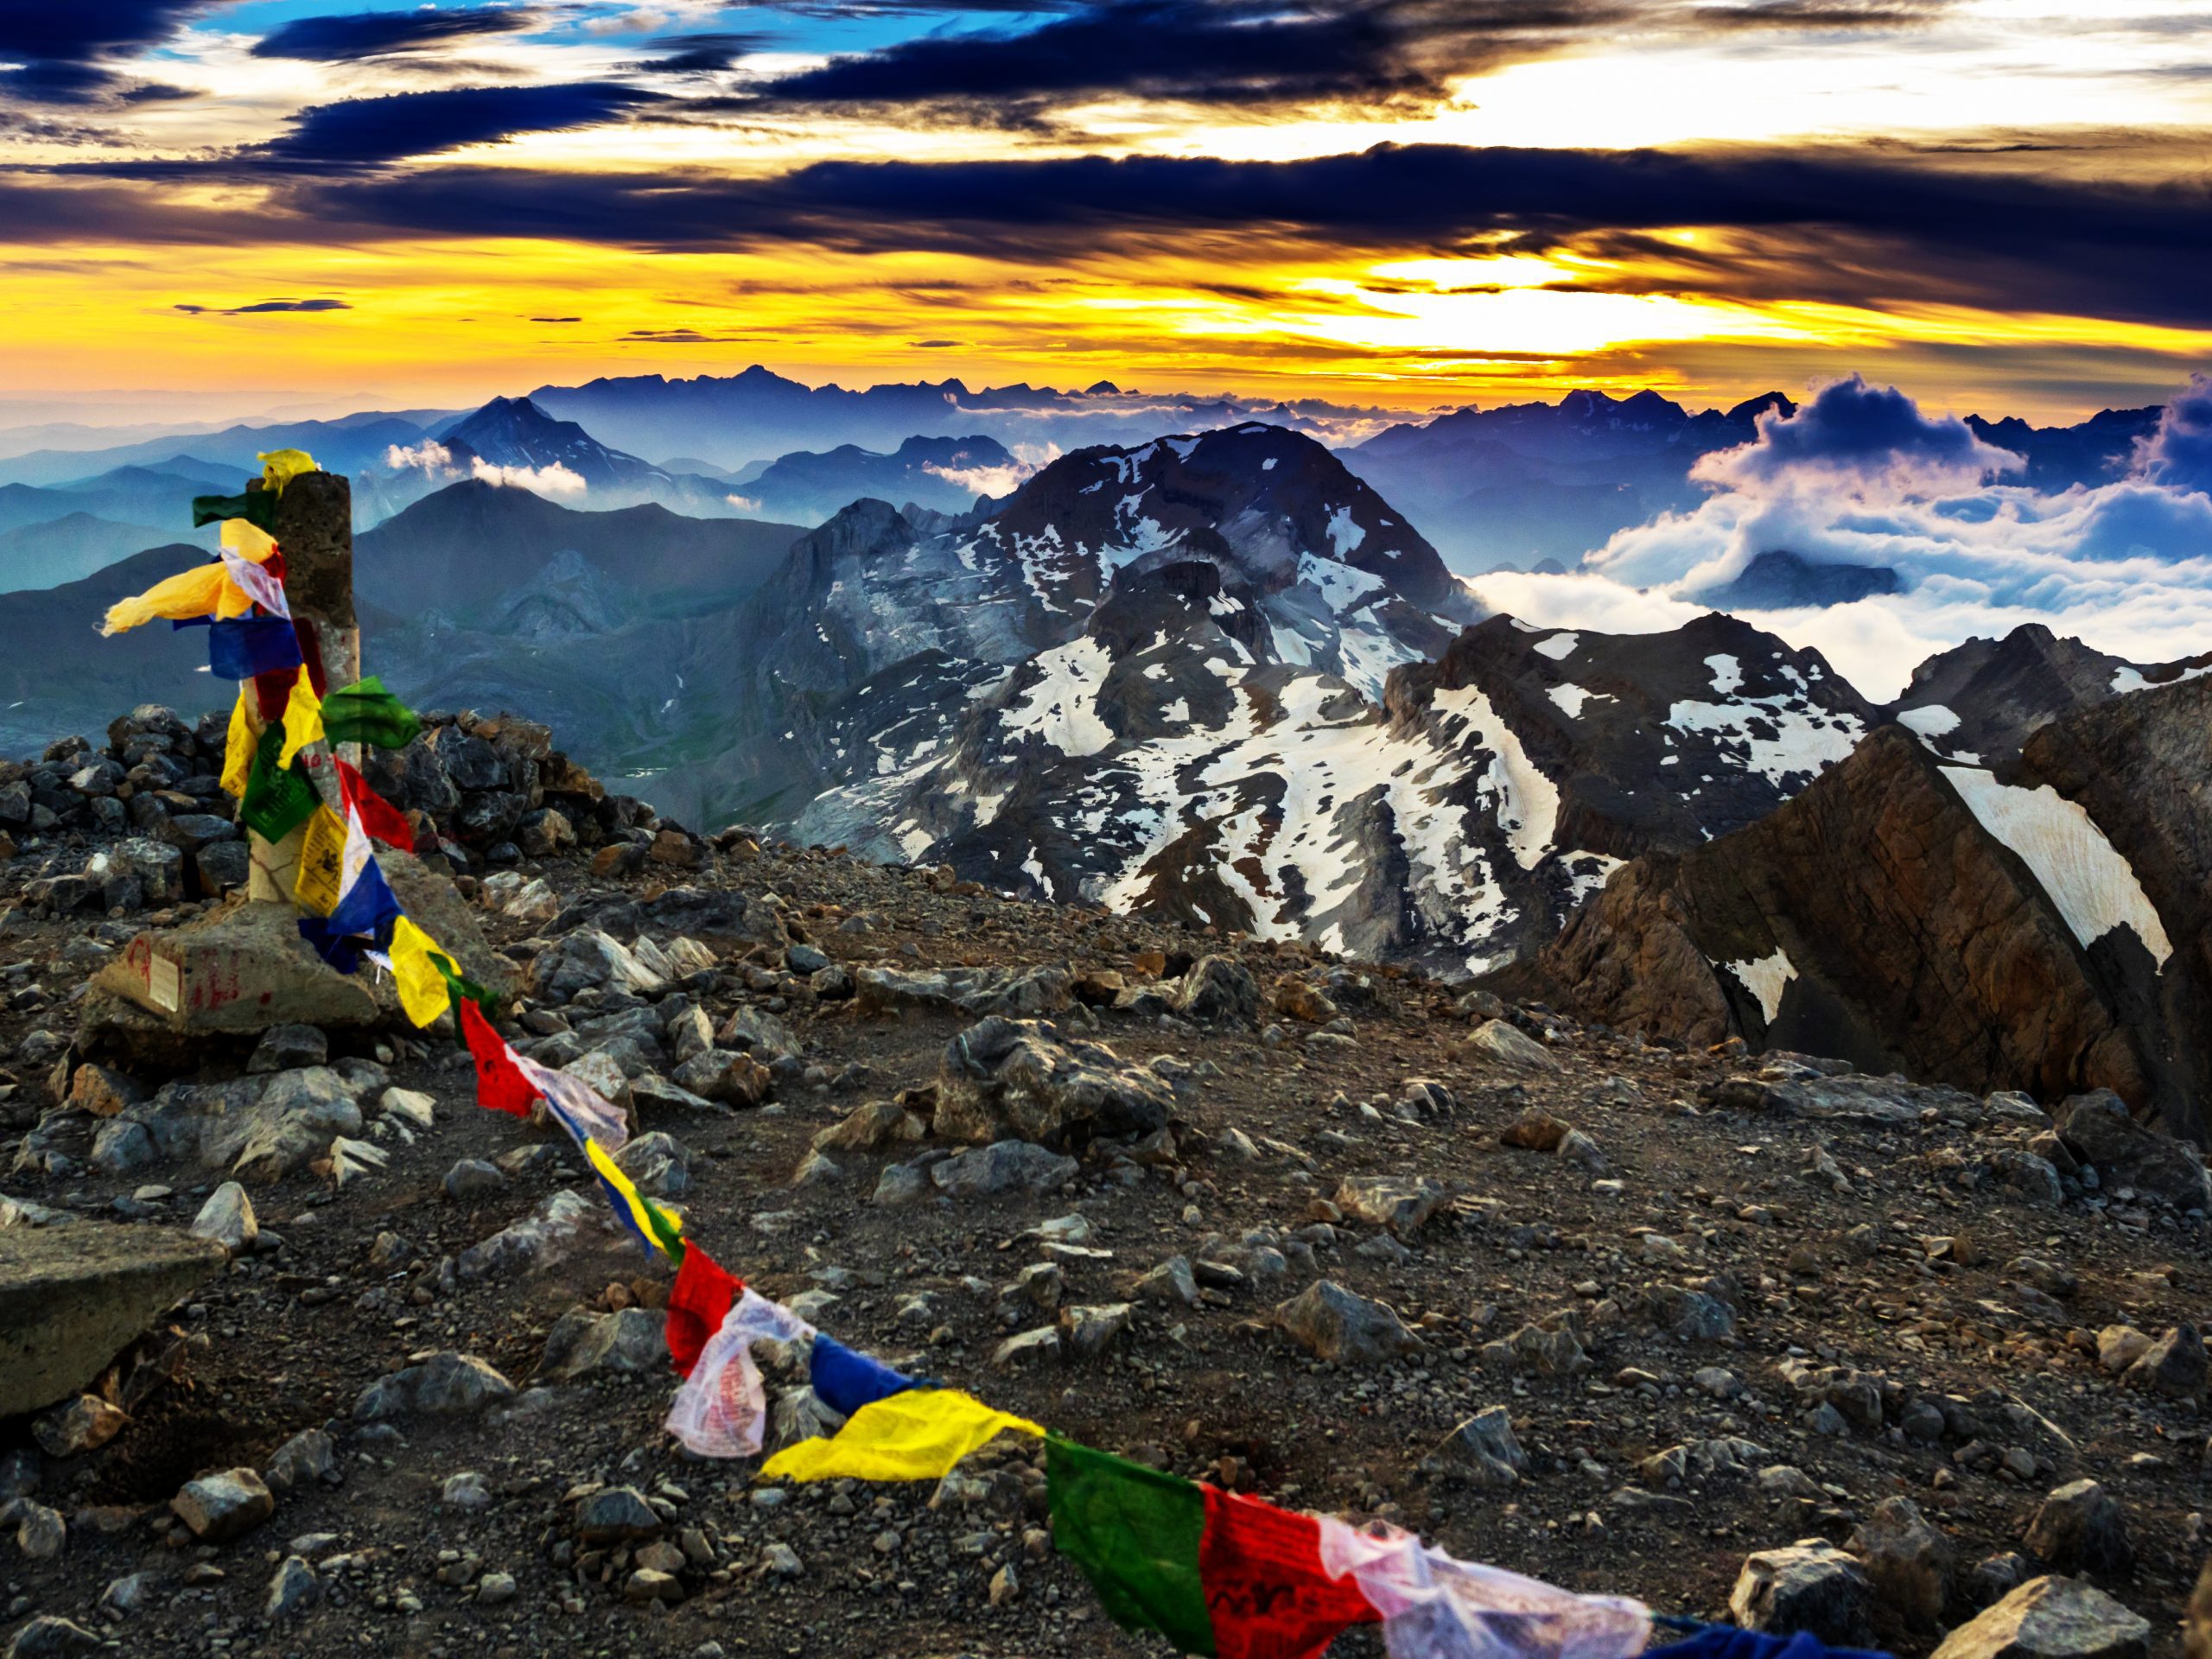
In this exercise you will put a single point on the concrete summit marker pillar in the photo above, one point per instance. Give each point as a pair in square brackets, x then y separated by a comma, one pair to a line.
[314, 529]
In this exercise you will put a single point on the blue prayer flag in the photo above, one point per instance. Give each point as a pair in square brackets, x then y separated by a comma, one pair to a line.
[845, 1381]
[248, 645]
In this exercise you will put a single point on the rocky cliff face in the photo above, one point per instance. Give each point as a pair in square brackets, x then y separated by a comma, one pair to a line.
[1979, 702]
[1905, 913]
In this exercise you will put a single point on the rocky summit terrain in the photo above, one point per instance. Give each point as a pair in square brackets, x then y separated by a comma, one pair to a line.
[1761, 1338]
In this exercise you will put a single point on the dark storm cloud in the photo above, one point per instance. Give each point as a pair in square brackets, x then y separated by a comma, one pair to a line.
[81, 85]
[1260, 51]
[366, 131]
[261, 306]
[698, 53]
[2099, 247]
[90, 28]
[340, 37]
[60, 50]
[1207, 51]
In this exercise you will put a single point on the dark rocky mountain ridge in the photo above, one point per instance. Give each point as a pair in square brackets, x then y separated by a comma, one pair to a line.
[2040, 929]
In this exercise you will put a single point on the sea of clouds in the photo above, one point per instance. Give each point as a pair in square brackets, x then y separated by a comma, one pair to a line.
[1860, 475]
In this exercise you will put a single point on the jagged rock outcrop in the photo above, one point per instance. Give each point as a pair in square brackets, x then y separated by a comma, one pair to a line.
[1877, 917]
[1979, 702]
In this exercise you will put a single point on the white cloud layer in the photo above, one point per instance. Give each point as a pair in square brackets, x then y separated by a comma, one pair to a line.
[1859, 476]
[552, 479]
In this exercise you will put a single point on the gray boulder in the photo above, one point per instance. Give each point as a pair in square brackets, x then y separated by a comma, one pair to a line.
[228, 1218]
[1218, 987]
[1481, 1452]
[2098, 1130]
[1009, 1077]
[1335, 1325]
[1907, 1560]
[220, 1507]
[2080, 1528]
[2051, 1618]
[1812, 1586]
[1003, 1167]
[447, 1384]
[1508, 1046]
[1402, 1204]
[1015, 993]
[581, 1344]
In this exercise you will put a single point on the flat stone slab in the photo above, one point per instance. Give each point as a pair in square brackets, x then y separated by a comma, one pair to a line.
[73, 1298]
[243, 969]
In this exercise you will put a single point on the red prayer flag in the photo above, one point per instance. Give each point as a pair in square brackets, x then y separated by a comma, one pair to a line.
[272, 692]
[500, 1085]
[1269, 1596]
[697, 1303]
[311, 653]
[380, 818]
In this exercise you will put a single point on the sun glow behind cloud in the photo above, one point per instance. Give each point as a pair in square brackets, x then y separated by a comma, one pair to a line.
[1398, 310]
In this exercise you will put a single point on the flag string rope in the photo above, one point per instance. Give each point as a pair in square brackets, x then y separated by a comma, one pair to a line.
[1215, 1572]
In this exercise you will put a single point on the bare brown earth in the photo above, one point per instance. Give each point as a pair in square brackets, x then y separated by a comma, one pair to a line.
[287, 1340]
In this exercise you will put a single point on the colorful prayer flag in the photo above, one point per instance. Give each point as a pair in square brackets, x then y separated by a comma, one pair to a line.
[1727, 1641]
[247, 539]
[366, 909]
[657, 1229]
[323, 878]
[1214, 1571]
[1266, 1590]
[252, 645]
[238, 750]
[256, 506]
[280, 466]
[204, 590]
[415, 955]
[1135, 1533]
[720, 1411]
[276, 802]
[916, 1435]
[845, 1381]
[697, 1304]
[577, 1106]
[500, 1085]
[463, 992]
[1435, 1607]
[259, 583]
[384, 822]
[365, 713]
[302, 719]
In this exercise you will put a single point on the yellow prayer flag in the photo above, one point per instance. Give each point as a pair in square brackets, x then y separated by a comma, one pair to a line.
[657, 1228]
[302, 719]
[321, 880]
[280, 466]
[916, 1435]
[248, 540]
[422, 991]
[237, 749]
[204, 590]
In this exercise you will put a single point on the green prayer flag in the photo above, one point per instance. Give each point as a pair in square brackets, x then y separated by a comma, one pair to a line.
[365, 713]
[257, 507]
[462, 989]
[277, 801]
[1136, 1534]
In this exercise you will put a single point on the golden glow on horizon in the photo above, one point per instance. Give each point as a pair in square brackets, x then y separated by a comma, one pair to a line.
[1245, 311]
[450, 321]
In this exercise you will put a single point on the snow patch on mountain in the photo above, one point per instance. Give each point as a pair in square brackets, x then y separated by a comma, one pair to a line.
[1765, 979]
[2094, 889]
[1783, 738]
[1527, 801]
